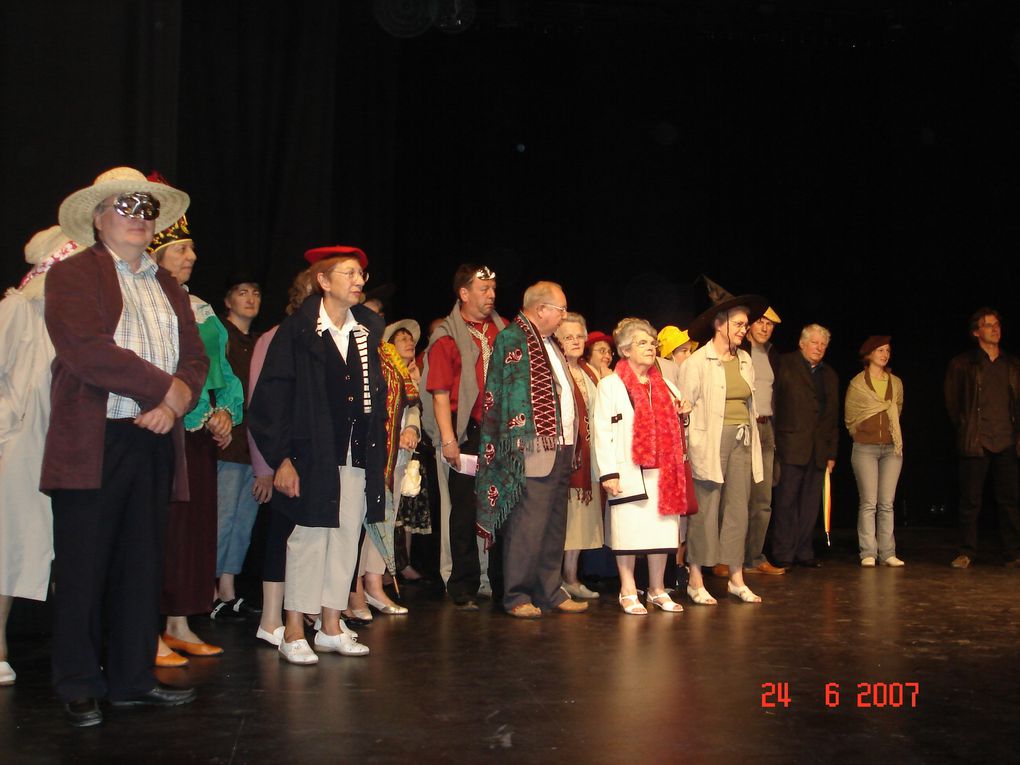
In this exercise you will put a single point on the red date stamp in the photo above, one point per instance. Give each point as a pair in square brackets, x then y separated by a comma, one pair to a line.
[866, 695]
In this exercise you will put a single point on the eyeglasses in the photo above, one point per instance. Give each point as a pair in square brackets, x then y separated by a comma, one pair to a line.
[351, 273]
[559, 308]
[139, 205]
[739, 324]
[573, 338]
[644, 343]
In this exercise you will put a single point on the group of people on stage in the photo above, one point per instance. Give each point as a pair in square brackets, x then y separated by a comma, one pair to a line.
[139, 433]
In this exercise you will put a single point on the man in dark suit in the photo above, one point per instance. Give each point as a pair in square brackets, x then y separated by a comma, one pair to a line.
[806, 399]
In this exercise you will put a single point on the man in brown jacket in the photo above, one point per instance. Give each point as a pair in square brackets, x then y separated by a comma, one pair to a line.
[129, 364]
[806, 401]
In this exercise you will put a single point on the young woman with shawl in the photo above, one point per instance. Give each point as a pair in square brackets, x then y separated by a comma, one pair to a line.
[640, 454]
[874, 400]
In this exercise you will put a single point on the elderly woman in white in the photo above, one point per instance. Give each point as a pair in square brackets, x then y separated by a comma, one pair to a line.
[725, 451]
[640, 453]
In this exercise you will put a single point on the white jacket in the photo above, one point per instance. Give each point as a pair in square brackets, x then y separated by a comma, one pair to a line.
[613, 433]
[703, 382]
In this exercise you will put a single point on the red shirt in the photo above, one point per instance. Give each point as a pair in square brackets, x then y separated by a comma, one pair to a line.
[445, 365]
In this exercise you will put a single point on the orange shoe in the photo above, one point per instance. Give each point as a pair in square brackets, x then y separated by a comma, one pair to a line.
[193, 649]
[171, 660]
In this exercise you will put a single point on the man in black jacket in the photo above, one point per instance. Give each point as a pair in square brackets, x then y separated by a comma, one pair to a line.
[983, 400]
[806, 399]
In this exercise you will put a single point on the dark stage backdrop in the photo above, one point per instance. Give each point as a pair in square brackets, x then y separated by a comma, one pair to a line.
[859, 167]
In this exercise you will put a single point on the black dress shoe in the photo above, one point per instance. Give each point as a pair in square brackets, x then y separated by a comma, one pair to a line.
[354, 621]
[83, 713]
[160, 696]
[810, 563]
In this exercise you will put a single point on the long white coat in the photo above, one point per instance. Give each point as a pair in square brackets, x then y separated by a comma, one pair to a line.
[703, 382]
[26, 520]
[613, 433]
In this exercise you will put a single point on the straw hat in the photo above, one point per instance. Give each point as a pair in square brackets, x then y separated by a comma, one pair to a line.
[671, 338]
[76, 211]
[409, 324]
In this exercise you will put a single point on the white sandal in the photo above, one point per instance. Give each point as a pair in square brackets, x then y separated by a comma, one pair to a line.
[635, 608]
[664, 602]
[701, 596]
[744, 593]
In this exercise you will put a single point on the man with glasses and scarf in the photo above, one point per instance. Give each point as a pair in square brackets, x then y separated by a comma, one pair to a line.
[129, 364]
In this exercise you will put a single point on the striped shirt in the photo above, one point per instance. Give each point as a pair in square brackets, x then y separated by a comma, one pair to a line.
[147, 326]
[341, 337]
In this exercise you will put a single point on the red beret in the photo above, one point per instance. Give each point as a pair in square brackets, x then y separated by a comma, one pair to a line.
[596, 336]
[336, 251]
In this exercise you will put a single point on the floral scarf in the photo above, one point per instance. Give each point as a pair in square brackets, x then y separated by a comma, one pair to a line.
[400, 393]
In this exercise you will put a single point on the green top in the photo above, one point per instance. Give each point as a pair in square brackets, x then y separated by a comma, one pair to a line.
[880, 386]
[737, 393]
[221, 382]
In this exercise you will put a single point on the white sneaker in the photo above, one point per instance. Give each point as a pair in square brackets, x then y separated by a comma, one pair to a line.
[273, 638]
[868, 562]
[347, 630]
[579, 591]
[342, 643]
[7, 674]
[893, 561]
[298, 652]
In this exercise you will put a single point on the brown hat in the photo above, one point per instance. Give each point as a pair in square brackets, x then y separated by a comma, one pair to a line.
[873, 342]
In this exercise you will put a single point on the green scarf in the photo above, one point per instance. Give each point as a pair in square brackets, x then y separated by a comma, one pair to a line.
[520, 414]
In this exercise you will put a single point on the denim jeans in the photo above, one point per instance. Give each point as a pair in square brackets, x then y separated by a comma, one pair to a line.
[236, 511]
[877, 469]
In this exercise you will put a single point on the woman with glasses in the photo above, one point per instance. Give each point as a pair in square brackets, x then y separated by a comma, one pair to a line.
[640, 454]
[598, 355]
[189, 565]
[725, 451]
[584, 510]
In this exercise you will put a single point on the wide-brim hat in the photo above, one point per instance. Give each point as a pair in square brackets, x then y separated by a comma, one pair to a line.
[702, 329]
[671, 338]
[316, 254]
[76, 211]
[50, 241]
[409, 324]
[873, 342]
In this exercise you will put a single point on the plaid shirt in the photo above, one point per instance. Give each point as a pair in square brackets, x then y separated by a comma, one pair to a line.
[147, 326]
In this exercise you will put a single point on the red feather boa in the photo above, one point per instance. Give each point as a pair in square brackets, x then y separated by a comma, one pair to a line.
[657, 440]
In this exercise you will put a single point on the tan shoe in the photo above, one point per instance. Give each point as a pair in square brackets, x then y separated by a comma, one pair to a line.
[765, 568]
[961, 561]
[569, 606]
[721, 570]
[525, 611]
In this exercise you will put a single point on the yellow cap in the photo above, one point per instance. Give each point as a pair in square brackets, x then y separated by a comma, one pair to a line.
[671, 338]
[772, 316]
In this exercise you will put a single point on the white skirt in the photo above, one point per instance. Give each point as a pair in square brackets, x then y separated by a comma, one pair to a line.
[637, 527]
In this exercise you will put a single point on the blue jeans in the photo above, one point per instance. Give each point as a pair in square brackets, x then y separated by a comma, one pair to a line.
[877, 469]
[236, 511]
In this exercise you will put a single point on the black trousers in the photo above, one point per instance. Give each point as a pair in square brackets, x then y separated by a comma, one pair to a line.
[796, 502]
[973, 473]
[533, 538]
[108, 569]
[466, 573]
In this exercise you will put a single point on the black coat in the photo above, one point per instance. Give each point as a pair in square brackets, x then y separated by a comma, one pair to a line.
[804, 432]
[289, 416]
[963, 399]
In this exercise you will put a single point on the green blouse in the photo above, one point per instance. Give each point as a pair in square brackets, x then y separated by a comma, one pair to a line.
[222, 389]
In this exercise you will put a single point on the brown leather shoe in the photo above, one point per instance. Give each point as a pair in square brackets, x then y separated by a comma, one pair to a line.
[171, 661]
[193, 649]
[569, 606]
[961, 561]
[525, 611]
[765, 568]
[722, 571]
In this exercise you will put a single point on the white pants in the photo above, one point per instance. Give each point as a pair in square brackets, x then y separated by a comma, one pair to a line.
[321, 561]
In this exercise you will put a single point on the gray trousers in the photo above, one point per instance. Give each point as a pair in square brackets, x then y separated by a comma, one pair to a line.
[877, 469]
[760, 509]
[533, 539]
[718, 531]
